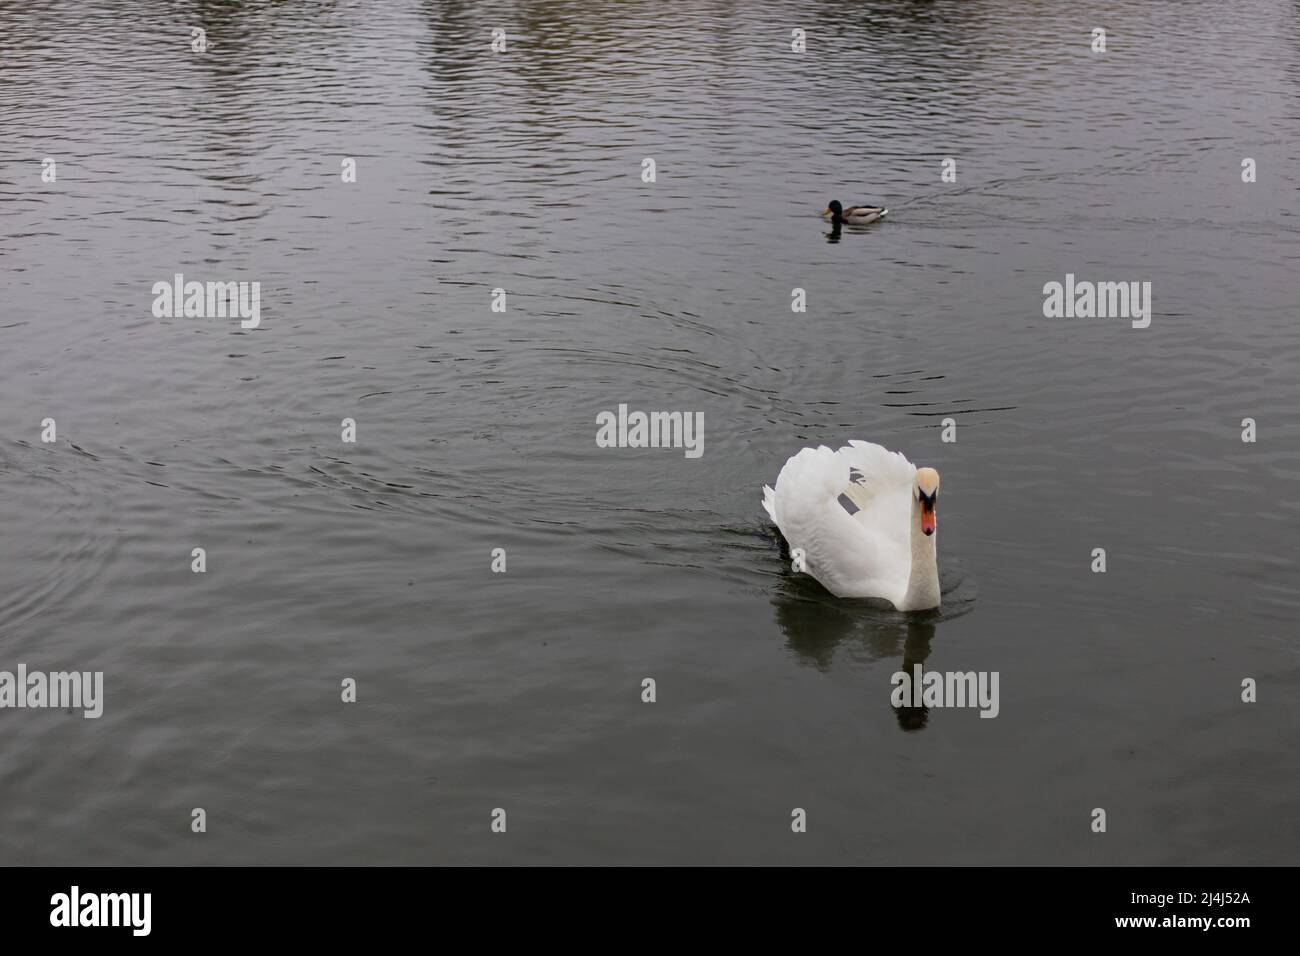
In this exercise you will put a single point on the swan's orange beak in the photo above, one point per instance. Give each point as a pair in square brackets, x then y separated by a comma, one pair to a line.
[927, 516]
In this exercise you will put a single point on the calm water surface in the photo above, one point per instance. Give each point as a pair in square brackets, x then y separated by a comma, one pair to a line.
[476, 430]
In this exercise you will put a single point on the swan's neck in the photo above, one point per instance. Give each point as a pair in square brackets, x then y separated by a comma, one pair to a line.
[923, 583]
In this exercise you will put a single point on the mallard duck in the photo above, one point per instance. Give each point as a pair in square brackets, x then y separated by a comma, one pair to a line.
[854, 215]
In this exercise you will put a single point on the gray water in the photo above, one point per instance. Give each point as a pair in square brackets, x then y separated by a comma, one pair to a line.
[522, 170]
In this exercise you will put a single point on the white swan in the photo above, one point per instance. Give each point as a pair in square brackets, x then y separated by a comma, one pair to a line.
[864, 519]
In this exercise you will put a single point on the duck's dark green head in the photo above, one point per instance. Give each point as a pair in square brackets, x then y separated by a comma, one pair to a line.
[834, 209]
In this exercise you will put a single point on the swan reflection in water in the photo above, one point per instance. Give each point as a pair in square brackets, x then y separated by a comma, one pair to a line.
[818, 625]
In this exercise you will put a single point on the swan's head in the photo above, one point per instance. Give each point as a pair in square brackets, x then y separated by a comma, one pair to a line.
[926, 491]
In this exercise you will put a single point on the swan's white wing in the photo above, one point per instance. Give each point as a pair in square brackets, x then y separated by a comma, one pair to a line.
[883, 482]
[851, 557]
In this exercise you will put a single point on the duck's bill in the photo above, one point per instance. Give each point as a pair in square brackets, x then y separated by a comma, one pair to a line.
[824, 212]
[927, 520]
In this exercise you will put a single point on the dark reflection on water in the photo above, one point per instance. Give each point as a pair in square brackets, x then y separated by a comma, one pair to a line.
[521, 171]
[817, 625]
[814, 630]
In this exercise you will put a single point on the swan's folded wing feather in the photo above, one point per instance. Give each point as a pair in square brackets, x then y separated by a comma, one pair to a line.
[883, 482]
[848, 556]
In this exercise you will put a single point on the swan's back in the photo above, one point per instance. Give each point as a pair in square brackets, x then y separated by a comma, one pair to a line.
[849, 511]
